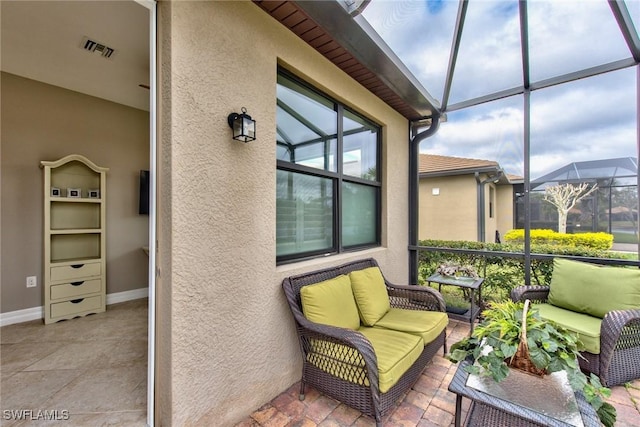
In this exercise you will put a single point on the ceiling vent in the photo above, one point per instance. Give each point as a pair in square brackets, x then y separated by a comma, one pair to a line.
[97, 47]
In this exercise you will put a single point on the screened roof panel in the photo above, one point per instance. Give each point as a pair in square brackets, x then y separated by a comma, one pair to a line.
[565, 37]
[420, 33]
[592, 170]
[634, 11]
[489, 52]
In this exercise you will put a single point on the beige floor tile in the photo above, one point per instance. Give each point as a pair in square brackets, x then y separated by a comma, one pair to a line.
[125, 353]
[20, 332]
[102, 390]
[74, 355]
[95, 367]
[16, 357]
[30, 390]
[120, 419]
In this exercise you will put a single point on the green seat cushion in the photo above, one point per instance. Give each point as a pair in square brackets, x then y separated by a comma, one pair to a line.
[594, 290]
[370, 293]
[425, 324]
[587, 327]
[395, 352]
[331, 303]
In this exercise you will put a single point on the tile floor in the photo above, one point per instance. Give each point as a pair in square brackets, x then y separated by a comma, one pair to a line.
[427, 404]
[94, 367]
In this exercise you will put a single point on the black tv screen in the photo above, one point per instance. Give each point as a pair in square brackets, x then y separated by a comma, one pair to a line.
[143, 204]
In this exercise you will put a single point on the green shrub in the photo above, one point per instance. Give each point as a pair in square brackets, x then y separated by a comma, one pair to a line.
[600, 240]
[501, 273]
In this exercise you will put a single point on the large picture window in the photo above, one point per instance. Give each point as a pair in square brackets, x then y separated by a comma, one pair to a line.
[328, 178]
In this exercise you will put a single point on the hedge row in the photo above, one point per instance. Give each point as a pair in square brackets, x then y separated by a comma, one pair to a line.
[603, 241]
[501, 273]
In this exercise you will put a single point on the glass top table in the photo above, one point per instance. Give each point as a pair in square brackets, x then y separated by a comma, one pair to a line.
[472, 284]
[521, 399]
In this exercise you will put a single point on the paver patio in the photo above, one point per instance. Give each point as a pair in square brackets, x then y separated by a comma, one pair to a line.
[427, 404]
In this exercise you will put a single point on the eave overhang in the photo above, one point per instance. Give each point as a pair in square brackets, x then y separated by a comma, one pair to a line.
[352, 45]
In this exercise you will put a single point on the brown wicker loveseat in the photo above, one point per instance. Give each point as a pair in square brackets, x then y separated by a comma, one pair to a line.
[342, 361]
[601, 304]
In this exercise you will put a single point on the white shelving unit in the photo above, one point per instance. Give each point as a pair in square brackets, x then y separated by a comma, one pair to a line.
[74, 238]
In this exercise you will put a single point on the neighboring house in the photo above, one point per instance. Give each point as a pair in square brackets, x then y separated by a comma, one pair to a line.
[465, 199]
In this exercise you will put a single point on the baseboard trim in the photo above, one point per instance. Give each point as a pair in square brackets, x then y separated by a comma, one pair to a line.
[35, 313]
[127, 295]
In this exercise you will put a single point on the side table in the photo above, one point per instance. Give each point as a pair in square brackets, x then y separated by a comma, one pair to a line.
[470, 283]
[521, 399]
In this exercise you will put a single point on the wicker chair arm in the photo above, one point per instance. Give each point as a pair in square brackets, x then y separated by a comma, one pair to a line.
[309, 331]
[415, 297]
[533, 293]
[619, 328]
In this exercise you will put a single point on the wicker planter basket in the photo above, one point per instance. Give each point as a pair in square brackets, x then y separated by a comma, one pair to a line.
[521, 359]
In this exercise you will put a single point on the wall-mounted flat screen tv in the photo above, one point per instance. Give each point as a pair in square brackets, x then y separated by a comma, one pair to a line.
[143, 204]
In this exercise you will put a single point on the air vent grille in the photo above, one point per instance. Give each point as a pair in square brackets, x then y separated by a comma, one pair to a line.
[97, 47]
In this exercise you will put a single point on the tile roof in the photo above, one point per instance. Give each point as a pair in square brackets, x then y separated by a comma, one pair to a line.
[433, 163]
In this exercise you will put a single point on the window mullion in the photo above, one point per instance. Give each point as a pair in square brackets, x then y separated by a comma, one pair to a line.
[338, 212]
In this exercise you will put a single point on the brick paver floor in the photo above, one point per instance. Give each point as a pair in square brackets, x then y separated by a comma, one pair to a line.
[427, 404]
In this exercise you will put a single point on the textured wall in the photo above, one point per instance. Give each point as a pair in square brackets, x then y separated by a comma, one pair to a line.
[230, 344]
[44, 122]
[505, 211]
[452, 215]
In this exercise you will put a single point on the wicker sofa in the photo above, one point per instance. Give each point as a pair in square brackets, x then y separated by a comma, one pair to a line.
[601, 304]
[364, 341]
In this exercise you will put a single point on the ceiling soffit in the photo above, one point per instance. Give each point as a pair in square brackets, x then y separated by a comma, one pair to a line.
[331, 31]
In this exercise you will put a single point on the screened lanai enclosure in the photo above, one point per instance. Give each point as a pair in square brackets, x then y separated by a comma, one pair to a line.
[534, 85]
[541, 87]
[611, 208]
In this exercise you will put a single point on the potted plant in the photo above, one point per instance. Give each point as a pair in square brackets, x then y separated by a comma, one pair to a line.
[453, 269]
[512, 336]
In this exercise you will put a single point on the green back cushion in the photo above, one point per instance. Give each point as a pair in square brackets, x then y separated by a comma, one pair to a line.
[370, 293]
[594, 290]
[331, 303]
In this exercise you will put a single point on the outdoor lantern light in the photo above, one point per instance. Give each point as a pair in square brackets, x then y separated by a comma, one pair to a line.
[244, 127]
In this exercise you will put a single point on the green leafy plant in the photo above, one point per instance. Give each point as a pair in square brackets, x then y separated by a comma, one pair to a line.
[495, 343]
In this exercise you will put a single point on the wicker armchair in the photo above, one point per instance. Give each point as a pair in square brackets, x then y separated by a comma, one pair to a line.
[618, 361]
[355, 383]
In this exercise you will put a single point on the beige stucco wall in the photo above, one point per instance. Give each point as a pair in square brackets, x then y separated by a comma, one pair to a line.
[505, 209]
[226, 342]
[451, 215]
[44, 122]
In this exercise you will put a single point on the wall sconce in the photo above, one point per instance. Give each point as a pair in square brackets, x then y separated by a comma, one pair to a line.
[244, 127]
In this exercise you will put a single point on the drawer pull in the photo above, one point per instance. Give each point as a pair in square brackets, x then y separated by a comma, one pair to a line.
[77, 265]
[76, 301]
[76, 283]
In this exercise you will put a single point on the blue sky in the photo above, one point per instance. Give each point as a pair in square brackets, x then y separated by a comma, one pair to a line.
[589, 119]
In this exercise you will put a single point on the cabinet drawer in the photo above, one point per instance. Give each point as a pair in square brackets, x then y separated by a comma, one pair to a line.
[74, 289]
[75, 271]
[80, 305]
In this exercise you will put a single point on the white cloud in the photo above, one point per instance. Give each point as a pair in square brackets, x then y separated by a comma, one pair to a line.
[588, 119]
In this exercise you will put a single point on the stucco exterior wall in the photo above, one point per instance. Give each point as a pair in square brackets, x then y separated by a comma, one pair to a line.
[227, 342]
[451, 214]
[505, 209]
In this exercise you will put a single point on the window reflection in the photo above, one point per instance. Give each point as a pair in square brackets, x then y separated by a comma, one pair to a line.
[306, 126]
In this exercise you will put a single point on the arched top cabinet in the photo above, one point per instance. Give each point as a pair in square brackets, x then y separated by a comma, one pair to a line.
[74, 238]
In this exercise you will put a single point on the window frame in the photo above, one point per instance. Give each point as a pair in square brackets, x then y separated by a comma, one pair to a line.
[338, 178]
